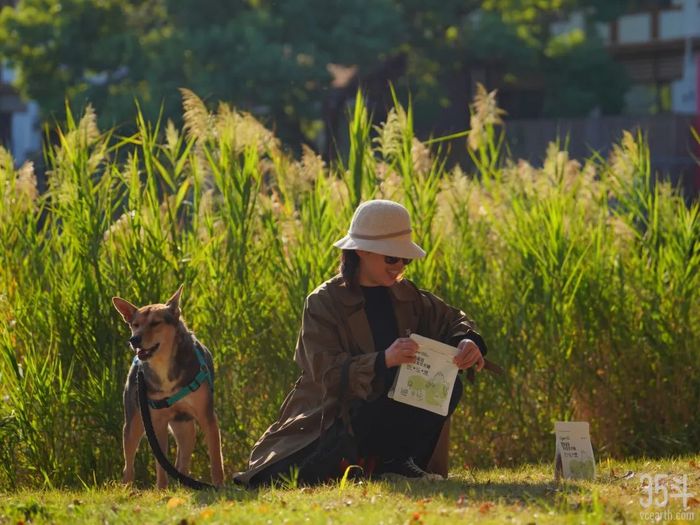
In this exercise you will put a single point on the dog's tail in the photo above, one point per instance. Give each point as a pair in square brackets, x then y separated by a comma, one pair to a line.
[155, 447]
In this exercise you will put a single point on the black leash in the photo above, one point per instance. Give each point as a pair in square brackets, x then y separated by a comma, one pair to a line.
[153, 441]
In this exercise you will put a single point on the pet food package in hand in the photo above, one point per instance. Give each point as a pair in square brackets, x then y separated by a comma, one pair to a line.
[428, 382]
[574, 454]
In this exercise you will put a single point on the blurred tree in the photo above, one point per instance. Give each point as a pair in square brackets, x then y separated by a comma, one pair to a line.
[510, 44]
[273, 57]
[581, 76]
[266, 56]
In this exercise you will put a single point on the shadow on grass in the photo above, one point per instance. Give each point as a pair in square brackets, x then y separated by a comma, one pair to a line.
[514, 492]
[507, 492]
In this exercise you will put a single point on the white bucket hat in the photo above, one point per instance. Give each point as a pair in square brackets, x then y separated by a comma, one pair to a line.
[383, 227]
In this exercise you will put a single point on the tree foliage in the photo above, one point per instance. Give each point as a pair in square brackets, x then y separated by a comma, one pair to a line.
[272, 57]
[264, 56]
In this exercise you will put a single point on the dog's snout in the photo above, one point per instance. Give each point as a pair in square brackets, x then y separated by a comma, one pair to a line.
[135, 341]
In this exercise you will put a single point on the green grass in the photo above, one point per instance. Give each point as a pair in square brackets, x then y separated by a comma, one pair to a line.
[524, 495]
[582, 274]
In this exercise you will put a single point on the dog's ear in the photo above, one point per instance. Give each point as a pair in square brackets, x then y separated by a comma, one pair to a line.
[125, 308]
[174, 302]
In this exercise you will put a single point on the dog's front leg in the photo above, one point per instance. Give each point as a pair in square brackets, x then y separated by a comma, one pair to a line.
[133, 431]
[160, 427]
[210, 427]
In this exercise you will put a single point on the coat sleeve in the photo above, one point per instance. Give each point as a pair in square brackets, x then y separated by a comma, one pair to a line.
[324, 346]
[447, 323]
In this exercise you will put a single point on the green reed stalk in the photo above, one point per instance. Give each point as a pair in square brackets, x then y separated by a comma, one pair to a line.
[360, 164]
[583, 277]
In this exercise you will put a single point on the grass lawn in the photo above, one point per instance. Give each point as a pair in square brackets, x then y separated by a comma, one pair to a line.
[524, 495]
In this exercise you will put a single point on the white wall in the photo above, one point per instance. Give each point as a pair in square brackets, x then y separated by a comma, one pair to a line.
[26, 133]
[685, 93]
[671, 25]
[634, 29]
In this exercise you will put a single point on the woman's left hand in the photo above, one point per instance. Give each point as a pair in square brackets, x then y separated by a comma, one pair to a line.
[468, 355]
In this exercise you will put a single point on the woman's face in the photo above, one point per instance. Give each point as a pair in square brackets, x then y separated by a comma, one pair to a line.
[375, 271]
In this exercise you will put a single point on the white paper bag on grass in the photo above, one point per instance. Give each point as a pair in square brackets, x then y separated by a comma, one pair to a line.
[574, 454]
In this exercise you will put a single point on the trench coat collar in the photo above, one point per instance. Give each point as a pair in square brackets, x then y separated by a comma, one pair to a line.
[401, 291]
[352, 299]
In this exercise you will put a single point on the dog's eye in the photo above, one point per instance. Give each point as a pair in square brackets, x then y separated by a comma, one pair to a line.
[154, 323]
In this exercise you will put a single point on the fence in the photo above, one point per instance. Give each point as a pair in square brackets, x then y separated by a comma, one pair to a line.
[673, 148]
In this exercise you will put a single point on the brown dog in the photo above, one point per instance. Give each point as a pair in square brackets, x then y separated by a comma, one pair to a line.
[179, 374]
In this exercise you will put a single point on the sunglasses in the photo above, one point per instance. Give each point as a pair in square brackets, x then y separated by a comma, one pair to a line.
[393, 260]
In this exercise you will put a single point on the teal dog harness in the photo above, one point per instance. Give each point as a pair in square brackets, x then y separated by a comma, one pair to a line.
[202, 376]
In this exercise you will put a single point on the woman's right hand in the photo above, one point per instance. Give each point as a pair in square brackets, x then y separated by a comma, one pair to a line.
[401, 351]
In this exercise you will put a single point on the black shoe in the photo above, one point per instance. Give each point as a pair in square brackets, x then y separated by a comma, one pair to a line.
[407, 469]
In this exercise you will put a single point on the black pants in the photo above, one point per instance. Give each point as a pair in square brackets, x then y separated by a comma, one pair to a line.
[394, 431]
[385, 429]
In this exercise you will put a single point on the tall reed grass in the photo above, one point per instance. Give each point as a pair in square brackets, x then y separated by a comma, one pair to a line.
[583, 276]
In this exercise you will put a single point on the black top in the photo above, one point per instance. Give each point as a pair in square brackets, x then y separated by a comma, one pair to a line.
[382, 323]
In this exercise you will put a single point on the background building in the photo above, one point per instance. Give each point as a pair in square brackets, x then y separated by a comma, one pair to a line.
[659, 47]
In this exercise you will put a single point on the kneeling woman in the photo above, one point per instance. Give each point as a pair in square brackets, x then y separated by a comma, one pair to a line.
[359, 321]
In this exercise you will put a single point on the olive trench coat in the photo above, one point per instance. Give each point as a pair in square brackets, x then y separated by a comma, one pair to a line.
[335, 328]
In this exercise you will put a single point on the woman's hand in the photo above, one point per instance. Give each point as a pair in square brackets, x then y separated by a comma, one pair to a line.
[468, 355]
[401, 351]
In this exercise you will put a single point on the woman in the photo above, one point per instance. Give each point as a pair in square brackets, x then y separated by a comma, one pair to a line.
[363, 317]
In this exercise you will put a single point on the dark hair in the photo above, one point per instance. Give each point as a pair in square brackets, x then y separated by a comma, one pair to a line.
[349, 266]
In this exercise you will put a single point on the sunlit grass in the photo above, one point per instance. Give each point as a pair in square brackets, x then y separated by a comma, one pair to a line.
[583, 275]
[524, 495]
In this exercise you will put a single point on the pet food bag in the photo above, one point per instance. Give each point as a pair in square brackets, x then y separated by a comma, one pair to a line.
[574, 454]
[428, 383]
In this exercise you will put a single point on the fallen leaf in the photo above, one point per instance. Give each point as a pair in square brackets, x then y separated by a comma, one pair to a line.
[485, 507]
[206, 514]
[693, 502]
[175, 502]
